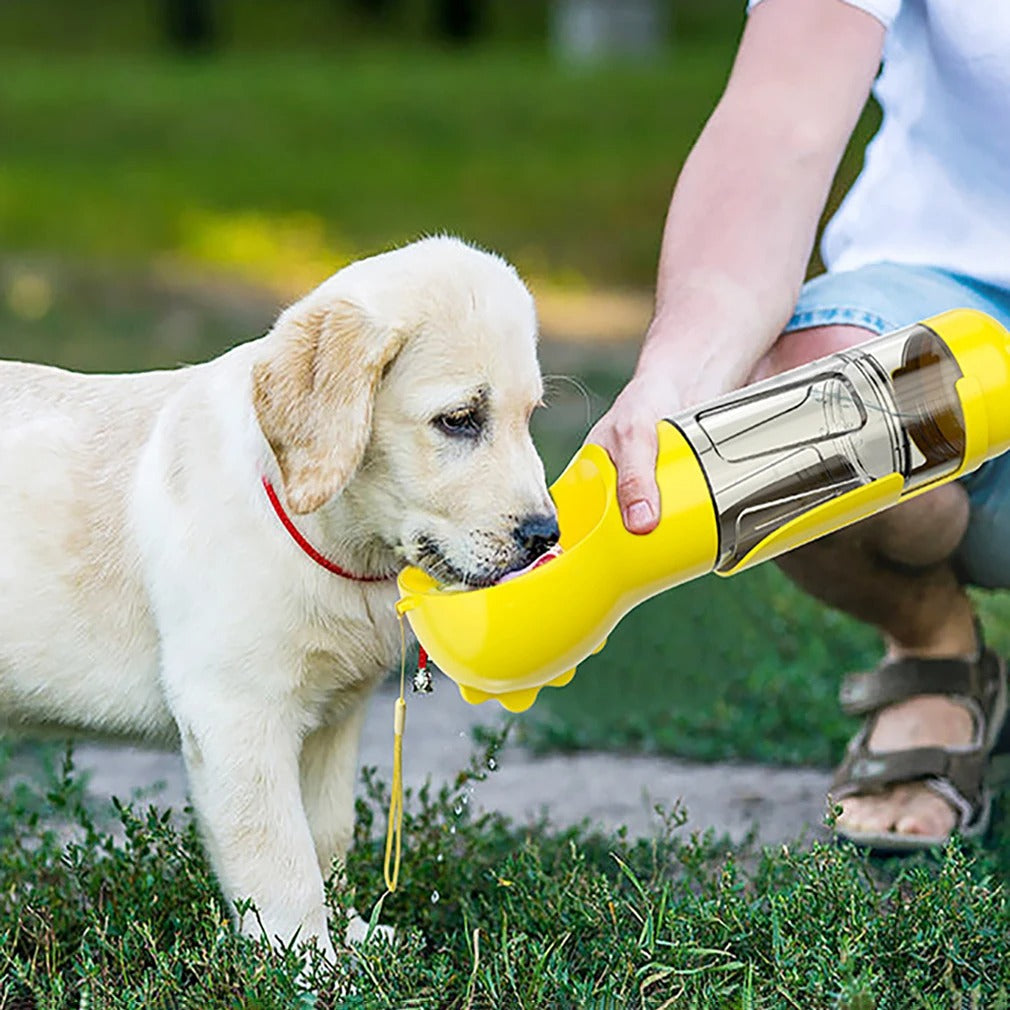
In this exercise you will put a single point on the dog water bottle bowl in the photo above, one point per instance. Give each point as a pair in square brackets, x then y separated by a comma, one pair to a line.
[742, 479]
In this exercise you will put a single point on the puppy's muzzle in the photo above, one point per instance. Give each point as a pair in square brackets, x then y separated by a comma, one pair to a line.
[534, 535]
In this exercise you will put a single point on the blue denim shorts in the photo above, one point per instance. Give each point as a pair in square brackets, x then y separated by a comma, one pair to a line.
[885, 296]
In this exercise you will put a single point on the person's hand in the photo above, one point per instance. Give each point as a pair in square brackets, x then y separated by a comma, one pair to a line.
[628, 433]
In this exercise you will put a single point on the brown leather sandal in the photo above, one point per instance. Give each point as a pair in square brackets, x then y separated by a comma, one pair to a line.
[957, 774]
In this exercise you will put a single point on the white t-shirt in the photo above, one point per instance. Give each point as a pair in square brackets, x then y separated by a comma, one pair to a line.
[935, 184]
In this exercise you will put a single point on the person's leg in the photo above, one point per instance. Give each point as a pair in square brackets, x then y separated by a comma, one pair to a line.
[895, 572]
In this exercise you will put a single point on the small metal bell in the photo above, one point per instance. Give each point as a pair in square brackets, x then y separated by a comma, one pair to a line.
[421, 684]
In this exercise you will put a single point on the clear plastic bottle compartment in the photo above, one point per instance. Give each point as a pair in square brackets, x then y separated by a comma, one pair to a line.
[779, 448]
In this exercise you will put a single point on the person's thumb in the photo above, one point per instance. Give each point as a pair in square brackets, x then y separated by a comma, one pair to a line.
[637, 491]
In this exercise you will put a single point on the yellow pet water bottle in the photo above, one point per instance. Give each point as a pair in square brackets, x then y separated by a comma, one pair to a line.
[742, 479]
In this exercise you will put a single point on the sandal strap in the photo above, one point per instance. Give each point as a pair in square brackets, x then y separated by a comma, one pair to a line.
[862, 693]
[867, 771]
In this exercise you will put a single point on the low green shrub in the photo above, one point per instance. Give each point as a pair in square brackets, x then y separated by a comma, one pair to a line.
[126, 914]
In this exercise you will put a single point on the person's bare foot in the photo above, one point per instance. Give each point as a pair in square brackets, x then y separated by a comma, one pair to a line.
[910, 808]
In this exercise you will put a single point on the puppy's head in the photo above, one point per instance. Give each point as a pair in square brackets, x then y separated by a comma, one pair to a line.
[404, 386]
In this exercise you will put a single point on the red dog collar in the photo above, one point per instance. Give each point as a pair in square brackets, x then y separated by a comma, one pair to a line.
[320, 559]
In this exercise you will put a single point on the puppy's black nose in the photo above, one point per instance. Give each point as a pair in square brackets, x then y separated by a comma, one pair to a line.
[536, 534]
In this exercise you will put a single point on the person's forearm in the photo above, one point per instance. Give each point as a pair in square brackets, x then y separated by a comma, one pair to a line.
[741, 224]
[744, 213]
[735, 248]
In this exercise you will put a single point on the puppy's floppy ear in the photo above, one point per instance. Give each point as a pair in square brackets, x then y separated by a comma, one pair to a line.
[313, 397]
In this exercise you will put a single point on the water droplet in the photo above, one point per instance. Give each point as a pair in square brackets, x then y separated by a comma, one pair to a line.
[439, 858]
[434, 897]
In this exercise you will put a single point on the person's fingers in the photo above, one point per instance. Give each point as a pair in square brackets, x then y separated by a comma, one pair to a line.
[637, 491]
[632, 445]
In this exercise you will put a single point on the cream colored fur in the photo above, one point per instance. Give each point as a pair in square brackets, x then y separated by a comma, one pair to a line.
[148, 590]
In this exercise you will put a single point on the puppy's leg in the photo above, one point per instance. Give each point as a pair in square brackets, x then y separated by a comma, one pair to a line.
[329, 768]
[242, 759]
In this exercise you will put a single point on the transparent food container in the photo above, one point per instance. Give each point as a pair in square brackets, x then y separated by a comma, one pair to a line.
[779, 449]
[741, 479]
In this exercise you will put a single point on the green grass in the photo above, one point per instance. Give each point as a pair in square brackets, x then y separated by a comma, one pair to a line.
[566, 170]
[109, 318]
[126, 915]
[282, 165]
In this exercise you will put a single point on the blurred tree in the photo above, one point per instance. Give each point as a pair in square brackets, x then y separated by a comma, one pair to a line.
[458, 20]
[374, 10]
[190, 25]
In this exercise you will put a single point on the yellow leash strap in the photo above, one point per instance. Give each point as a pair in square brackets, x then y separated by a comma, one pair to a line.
[394, 823]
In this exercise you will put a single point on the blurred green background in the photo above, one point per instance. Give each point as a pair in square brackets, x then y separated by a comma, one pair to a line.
[172, 172]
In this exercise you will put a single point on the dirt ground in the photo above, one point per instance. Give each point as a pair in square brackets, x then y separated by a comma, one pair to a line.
[610, 790]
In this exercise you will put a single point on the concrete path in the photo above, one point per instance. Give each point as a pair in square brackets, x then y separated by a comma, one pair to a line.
[610, 790]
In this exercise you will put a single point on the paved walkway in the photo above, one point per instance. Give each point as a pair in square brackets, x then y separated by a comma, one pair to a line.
[609, 789]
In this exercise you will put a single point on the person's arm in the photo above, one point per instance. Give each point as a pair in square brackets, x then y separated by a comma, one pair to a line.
[742, 222]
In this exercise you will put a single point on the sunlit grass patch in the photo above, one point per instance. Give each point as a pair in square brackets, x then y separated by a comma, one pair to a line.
[291, 252]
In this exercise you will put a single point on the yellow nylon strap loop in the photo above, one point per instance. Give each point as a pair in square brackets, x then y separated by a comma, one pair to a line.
[394, 829]
[394, 821]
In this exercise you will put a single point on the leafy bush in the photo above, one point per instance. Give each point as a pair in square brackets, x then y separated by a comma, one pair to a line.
[490, 915]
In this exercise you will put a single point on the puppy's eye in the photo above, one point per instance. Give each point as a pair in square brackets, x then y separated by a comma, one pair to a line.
[467, 423]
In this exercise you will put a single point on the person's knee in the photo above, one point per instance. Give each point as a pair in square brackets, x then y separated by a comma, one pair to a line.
[918, 534]
[800, 347]
[922, 532]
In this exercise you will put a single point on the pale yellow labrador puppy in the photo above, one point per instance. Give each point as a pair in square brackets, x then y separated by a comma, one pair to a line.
[208, 555]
